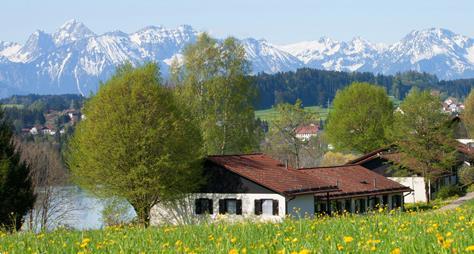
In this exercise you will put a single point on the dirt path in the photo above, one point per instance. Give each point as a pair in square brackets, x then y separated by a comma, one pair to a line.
[458, 202]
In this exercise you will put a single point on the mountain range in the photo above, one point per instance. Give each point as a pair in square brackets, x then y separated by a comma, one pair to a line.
[74, 59]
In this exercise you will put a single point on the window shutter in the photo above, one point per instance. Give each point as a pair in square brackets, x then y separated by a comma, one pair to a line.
[275, 207]
[197, 206]
[239, 206]
[210, 206]
[258, 206]
[222, 208]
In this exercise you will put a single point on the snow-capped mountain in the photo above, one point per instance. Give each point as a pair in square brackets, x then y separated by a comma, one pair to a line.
[437, 51]
[74, 59]
[266, 57]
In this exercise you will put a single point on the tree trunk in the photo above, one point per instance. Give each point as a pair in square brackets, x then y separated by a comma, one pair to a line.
[427, 190]
[143, 214]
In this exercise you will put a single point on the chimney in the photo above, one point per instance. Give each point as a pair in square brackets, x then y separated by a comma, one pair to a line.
[375, 183]
[286, 164]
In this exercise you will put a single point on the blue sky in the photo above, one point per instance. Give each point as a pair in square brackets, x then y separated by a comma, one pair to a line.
[278, 21]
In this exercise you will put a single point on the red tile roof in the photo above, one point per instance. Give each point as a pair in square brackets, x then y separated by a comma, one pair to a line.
[355, 180]
[466, 149]
[307, 129]
[272, 174]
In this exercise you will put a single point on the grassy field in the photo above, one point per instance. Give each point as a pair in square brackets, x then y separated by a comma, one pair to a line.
[12, 106]
[381, 232]
[270, 114]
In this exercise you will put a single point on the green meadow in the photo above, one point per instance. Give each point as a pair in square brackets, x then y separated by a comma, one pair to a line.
[380, 232]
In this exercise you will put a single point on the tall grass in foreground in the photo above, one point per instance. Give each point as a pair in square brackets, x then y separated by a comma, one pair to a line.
[395, 232]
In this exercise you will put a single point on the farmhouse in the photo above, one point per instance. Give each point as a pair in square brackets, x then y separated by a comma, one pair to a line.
[306, 132]
[258, 186]
[385, 161]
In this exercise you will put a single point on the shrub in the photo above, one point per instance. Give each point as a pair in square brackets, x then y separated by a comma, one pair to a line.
[449, 191]
[466, 175]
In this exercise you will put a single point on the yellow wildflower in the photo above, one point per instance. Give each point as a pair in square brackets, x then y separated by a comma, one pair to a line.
[233, 240]
[84, 243]
[470, 248]
[373, 248]
[304, 251]
[339, 247]
[395, 251]
[233, 251]
[348, 239]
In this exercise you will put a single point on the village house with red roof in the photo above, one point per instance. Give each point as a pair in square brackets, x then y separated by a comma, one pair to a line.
[260, 187]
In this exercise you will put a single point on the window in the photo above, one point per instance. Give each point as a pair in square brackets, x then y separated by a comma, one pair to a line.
[230, 206]
[348, 206]
[266, 207]
[321, 207]
[396, 201]
[385, 200]
[360, 206]
[203, 206]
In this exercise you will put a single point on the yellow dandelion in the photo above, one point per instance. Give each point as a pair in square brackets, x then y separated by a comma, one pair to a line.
[340, 247]
[470, 248]
[304, 251]
[233, 240]
[395, 251]
[233, 251]
[294, 240]
[348, 239]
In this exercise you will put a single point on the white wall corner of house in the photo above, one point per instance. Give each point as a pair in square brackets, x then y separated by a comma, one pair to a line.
[417, 184]
[182, 211]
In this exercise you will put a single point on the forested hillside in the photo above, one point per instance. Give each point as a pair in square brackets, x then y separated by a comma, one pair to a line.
[318, 87]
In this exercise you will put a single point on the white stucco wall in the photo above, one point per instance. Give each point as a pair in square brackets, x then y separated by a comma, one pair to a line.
[182, 211]
[417, 184]
[301, 206]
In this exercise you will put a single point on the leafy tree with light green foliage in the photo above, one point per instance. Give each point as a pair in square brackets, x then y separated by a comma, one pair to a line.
[361, 117]
[422, 133]
[135, 142]
[282, 141]
[213, 84]
[468, 114]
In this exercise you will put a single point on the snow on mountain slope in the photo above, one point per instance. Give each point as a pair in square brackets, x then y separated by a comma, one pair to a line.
[74, 59]
[9, 49]
[434, 50]
[265, 57]
[71, 31]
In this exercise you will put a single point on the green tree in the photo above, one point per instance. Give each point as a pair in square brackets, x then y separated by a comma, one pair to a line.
[135, 142]
[360, 119]
[16, 192]
[423, 135]
[468, 114]
[281, 140]
[216, 88]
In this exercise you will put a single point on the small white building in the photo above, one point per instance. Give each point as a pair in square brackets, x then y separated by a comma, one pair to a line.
[257, 187]
[306, 132]
[382, 161]
[34, 131]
